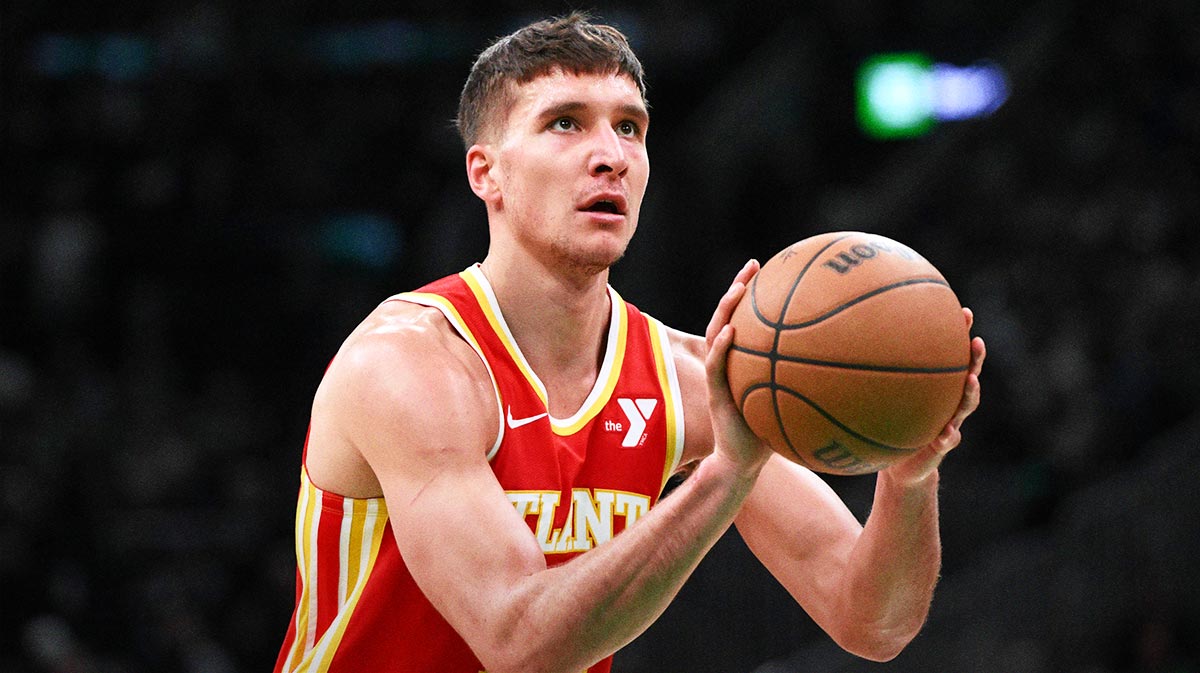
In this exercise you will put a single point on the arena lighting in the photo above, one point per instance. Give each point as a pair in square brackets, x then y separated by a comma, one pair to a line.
[904, 95]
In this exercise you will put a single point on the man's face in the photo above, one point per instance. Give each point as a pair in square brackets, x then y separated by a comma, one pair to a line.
[571, 166]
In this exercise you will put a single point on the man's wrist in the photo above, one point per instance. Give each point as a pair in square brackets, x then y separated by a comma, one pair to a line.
[909, 485]
[732, 474]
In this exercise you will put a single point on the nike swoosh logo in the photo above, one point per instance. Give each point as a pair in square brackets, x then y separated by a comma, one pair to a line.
[515, 423]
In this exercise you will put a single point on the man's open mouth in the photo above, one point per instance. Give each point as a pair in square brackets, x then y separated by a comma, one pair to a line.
[603, 207]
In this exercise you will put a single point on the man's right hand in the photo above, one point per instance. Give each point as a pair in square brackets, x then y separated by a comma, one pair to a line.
[734, 440]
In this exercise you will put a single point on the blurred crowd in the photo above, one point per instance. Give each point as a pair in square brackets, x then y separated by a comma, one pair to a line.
[200, 200]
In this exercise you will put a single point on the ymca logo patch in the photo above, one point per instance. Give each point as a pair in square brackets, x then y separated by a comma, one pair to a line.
[637, 412]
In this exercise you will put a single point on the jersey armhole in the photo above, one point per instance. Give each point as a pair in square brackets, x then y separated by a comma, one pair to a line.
[451, 314]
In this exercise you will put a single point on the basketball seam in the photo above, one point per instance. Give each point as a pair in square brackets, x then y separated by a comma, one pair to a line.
[776, 390]
[791, 291]
[778, 421]
[775, 357]
[781, 326]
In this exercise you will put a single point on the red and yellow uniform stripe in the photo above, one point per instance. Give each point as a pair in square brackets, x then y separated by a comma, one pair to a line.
[337, 543]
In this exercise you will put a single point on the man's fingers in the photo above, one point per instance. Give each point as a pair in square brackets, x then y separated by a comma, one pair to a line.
[971, 388]
[718, 351]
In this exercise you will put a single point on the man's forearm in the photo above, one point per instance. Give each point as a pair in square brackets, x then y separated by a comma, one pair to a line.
[618, 589]
[893, 567]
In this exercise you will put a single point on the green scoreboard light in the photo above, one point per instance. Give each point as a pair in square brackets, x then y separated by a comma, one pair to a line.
[904, 95]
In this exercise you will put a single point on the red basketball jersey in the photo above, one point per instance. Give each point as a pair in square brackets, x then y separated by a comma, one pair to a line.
[578, 481]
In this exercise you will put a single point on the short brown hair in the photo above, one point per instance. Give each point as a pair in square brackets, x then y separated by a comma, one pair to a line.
[571, 43]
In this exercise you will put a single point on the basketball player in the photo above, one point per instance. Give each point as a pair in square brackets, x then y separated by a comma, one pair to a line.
[482, 471]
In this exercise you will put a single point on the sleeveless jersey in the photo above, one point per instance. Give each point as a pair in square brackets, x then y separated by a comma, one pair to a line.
[578, 481]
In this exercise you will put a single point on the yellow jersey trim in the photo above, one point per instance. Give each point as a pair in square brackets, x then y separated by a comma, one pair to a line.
[668, 380]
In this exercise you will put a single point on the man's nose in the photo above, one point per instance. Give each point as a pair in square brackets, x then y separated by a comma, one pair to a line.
[608, 154]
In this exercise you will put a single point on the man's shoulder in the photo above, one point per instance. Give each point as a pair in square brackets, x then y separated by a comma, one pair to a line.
[406, 350]
[372, 413]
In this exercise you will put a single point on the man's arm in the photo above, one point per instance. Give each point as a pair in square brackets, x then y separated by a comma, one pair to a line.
[463, 541]
[869, 587]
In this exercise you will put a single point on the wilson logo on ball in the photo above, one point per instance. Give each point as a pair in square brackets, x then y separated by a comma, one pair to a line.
[844, 262]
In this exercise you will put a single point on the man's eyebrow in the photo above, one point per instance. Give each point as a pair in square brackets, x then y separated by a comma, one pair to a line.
[561, 109]
[635, 112]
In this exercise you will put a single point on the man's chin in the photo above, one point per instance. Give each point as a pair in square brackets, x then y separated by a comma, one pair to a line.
[591, 259]
[591, 262]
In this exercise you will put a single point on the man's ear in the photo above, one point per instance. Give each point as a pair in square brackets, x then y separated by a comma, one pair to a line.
[481, 173]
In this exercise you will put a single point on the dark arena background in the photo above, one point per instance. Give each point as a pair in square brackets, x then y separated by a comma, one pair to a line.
[202, 198]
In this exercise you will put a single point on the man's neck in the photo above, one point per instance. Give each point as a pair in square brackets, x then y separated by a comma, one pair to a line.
[560, 320]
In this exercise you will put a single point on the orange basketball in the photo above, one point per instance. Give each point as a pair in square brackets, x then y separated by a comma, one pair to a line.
[850, 351]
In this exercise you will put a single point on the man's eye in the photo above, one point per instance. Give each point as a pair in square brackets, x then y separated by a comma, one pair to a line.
[563, 124]
[627, 129]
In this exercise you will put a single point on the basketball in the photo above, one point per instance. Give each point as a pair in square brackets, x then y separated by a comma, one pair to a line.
[850, 351]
